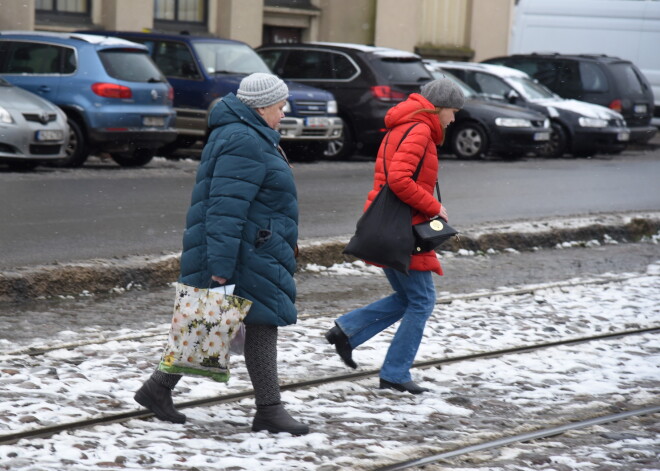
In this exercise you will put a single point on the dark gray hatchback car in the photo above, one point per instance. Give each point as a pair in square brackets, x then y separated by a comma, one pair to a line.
[366, 82]
[604, 80]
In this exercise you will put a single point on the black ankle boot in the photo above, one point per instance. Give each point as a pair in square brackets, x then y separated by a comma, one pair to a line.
[158, 399]
[410, 386]
[338, 338]
[276, 419]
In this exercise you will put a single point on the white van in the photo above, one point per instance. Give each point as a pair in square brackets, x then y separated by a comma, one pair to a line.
[629, 29]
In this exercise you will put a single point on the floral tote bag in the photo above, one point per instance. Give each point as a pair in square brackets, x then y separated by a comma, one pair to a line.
[203, 325]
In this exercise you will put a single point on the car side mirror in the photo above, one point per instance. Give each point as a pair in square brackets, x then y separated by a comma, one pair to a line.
[511, 96]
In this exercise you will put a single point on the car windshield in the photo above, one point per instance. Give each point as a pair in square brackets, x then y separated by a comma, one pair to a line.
[529, 89]
[131, 65]
[468, 91]
[227, 58]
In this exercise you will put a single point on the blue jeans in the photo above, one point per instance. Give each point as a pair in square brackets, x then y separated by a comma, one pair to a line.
[412, 302]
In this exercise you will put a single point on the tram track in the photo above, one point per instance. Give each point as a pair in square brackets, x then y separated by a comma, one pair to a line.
[228, 398]
[35, 351]
[520, 438]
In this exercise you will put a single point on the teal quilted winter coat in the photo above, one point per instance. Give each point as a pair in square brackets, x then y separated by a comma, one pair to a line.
[242, 223]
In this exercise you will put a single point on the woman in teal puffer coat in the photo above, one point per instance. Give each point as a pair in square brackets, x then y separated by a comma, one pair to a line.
[242, 229]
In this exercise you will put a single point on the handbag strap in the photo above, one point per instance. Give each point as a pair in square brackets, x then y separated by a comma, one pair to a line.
[419, 166]
[387, 138]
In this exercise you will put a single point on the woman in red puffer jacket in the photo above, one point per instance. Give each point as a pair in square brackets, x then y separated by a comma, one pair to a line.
[416, 129]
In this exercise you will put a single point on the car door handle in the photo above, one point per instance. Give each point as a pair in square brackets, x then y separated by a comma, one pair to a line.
[44, 88]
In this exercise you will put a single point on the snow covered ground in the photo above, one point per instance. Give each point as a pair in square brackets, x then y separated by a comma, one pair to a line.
[355, 425]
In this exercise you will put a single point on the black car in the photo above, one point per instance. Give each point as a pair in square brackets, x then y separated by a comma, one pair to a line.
[578, 128]
[366, 82]
[484, 127]
[609, 81]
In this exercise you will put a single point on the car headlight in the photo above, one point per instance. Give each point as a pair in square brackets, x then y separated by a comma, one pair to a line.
[513, 122]
[592, 122]
[5, 117]
[287, 107]
[332, 107]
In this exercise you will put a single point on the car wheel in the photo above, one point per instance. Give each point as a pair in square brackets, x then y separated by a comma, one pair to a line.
[556, 146]
[138, 158]
[342, 148]
[76, 151]
[469, 141]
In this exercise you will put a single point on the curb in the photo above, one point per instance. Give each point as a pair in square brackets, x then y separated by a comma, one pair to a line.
[117, 275]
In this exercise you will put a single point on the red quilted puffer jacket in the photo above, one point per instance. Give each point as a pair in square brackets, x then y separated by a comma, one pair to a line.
[401, 165]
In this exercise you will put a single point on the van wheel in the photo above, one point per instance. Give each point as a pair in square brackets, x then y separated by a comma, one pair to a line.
[138, 158]
[342, 148]
[77, 150]
[469, 141]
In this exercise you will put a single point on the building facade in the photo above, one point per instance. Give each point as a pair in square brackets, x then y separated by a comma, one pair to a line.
[443, 29]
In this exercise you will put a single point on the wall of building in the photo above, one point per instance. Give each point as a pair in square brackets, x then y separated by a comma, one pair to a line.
[237, 19]
[447, 29]
[351, 21]
[17, 15]
[489, 24]
[398, 27]
[126, 15]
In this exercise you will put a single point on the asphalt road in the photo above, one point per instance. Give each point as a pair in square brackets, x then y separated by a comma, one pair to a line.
[101, 210]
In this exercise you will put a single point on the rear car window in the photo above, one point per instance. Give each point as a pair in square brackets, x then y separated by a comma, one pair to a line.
[403, 69]
[627, 78]
[592, 77]
[131, 65]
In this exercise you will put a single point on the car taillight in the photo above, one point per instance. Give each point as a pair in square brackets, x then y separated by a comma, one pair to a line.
[385, 93]
[170, 94]
[111, 90]
[616, 105]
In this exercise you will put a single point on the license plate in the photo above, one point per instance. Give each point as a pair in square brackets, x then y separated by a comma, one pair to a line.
[153, 121]
[623, 136]
[542, 136]
[641, 109]
[50, 135]
[316, 122]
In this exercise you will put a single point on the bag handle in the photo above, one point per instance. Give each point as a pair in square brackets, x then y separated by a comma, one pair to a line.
[419, 166]
[387, 138]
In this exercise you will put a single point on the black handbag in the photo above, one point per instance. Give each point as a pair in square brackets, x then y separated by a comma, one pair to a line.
[383, 233]
[431, 234]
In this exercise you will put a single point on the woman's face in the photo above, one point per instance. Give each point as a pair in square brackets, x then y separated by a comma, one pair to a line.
[273, 114]
[446, 116]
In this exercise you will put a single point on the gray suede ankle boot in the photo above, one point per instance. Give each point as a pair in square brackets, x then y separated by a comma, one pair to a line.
[276, 419]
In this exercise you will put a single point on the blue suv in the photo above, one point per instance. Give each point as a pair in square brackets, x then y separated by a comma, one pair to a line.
[115, 98]
[204, 69]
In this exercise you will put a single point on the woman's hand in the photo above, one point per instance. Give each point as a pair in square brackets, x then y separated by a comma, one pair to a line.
[443, 213]
[219, 279]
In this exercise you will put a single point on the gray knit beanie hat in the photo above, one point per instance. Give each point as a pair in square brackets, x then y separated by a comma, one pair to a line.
[260, 90]
[444, 93]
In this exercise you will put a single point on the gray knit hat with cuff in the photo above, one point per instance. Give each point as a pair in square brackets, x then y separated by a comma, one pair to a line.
[443, 93]
[260, 90]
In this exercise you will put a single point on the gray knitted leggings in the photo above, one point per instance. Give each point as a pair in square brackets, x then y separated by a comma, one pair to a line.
[260, 360]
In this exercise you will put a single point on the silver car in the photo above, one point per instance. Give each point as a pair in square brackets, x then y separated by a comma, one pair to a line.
[32, 130]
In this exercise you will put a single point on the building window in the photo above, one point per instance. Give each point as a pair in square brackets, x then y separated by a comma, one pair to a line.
[181, 11]
[63, 13]
[79, 7]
